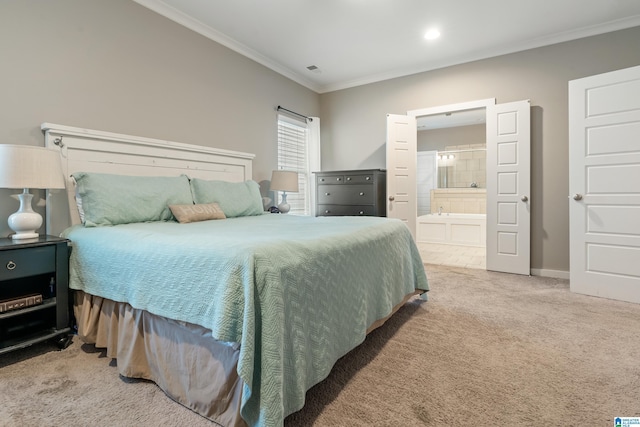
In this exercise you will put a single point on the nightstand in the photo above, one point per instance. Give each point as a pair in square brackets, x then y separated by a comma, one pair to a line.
[34, 292]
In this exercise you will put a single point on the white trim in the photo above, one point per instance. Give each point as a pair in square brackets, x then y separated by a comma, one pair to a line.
[566, 36]
[470, 105]
[63, 130]
[193, 24]
[545, 272]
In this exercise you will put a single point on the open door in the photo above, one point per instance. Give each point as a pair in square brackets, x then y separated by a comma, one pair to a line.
[402, 137]
[508, 188]
[604, 184]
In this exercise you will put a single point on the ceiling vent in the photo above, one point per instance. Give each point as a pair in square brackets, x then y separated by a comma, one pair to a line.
[313, 68]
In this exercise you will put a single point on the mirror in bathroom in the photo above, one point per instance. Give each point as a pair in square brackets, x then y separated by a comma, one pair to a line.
[459, 138]
[451, 155]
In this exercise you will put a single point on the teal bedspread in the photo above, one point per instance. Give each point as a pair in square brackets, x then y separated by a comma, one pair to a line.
[297, 292]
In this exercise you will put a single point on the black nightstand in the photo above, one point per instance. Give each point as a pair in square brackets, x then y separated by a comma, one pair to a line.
[34, 292]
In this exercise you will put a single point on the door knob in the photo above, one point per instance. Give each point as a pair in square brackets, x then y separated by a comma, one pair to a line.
[524, 198]
[391, 198]
[577, 196]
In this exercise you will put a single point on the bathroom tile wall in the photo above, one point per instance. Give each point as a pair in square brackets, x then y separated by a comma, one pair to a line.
[468, 165]
[459, 200]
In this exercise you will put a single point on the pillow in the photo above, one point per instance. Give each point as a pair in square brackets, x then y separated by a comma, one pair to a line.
[235, 198]
[120, 199]
[78, 200]
[194, 213]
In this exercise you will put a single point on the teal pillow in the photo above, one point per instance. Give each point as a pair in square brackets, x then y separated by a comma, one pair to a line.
[234, 198]
[120, 199]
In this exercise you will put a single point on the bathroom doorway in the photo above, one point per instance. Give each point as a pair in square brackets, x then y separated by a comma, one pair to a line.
[451, 206]
[508, 168]
[508, 182]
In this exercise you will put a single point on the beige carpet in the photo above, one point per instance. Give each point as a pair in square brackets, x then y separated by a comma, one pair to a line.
[488, 349]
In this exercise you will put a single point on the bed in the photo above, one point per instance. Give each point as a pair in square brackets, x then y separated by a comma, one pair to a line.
[237, 316]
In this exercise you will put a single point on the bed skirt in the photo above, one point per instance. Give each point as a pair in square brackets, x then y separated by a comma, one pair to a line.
[183, 359]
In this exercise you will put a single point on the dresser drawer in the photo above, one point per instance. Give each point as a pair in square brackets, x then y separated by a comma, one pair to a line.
[18, 263]
[331, 179]
[358, 194]
[341, 210]
[358, 179]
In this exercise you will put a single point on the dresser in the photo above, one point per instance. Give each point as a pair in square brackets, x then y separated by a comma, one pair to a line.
[351, 192]
[34, 298]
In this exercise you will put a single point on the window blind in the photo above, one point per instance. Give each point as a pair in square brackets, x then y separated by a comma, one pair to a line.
[293, 156]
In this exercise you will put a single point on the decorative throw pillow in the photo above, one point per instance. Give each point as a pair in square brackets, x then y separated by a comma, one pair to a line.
[108, 199]
[194, 213]
[234, 198]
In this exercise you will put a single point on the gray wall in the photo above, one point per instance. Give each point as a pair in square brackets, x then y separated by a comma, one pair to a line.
[116, 66]
[353, 120]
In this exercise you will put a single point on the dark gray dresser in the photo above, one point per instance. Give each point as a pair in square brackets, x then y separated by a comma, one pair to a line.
[351, 192]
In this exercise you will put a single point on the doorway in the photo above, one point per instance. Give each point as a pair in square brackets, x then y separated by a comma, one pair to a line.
[508, 203]
[451, 228]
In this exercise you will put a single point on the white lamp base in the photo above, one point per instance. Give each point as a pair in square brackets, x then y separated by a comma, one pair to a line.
[284, 207]
[25, 221]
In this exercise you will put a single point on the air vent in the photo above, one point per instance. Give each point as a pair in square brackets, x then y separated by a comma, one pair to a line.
[313, 68]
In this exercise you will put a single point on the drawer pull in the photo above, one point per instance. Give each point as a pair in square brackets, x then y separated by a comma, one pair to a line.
[368, 178]
[327, 211]
[361, 193]
[321, 179]
[361, 212]
[349, 178]
[11, 265]
[338, 179]
[327, 194]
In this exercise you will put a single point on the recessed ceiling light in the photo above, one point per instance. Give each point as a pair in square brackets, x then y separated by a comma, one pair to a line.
[432, 34]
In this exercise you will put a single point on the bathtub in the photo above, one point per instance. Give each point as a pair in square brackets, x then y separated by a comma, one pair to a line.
[453, 228]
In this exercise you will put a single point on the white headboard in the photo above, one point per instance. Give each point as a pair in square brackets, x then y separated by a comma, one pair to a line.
[86, 150]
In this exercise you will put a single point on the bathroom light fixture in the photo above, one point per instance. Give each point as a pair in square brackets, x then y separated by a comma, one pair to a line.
[24, 167]
[432, 34]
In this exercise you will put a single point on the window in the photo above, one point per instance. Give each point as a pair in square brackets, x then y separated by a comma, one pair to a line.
[293, 155]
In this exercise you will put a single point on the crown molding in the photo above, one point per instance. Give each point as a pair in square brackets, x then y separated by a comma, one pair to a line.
[193, 24]
[594, 30]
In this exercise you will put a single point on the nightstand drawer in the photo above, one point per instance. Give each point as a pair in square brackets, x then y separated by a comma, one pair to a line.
[18, 263]
[358, 194]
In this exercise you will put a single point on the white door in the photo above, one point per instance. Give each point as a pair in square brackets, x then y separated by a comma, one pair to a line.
[508, 188]
[402, 137]
[604, 182]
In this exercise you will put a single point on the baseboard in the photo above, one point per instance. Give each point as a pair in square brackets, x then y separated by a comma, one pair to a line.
[558, 274]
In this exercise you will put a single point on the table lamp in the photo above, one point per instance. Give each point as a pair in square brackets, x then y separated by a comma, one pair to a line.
[284, 181]
[25, 167]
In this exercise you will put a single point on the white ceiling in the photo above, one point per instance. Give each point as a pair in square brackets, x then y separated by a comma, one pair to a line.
[354, 42]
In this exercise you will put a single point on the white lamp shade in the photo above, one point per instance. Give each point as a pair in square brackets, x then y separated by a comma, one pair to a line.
[24, 166]
[284, 181]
